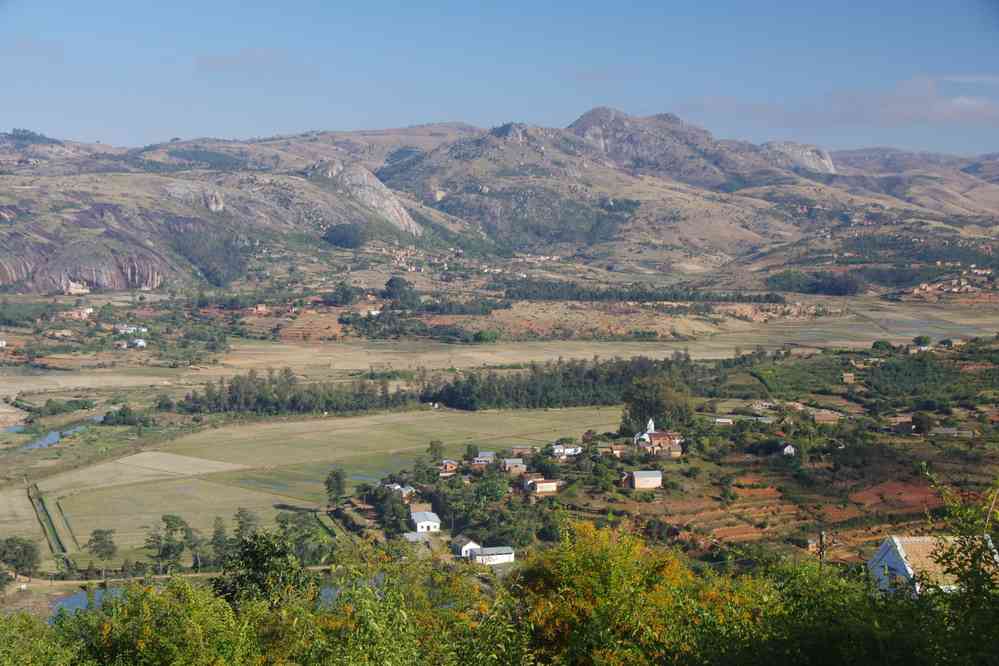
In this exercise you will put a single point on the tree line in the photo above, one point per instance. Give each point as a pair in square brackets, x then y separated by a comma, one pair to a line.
[282, 393]
[565, 383]
[556, 290]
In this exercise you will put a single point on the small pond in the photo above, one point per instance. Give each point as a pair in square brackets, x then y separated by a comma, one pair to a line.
[53, 437]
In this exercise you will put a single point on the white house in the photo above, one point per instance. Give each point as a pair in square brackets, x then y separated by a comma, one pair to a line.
[464, 547]
[900, 559]
[788, 450]
[492, 556]
[484, 458]
[139, 343]
[404, 491]
[646, 479]
[562, 451]
[3, 343]
[426, 521]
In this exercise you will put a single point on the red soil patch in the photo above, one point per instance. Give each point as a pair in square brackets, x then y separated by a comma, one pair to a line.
[757, 493]
[898, 495]
[738, 533]
[835, 514]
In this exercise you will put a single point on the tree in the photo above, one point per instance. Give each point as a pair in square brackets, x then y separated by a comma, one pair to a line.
[655, 398]
[922, 423]
[195, 544]
[247, 524]
[166, 542]
[401, 292]
[881, 346]
[436, 450]
[471, 451]
[102, 546]
[922, 340]
[20, 554]
[219, 541]
[342, 294]
[349, 236]
[263, 567]
[336, 485]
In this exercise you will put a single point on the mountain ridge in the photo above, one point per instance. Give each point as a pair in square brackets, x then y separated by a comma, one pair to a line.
[653, 190]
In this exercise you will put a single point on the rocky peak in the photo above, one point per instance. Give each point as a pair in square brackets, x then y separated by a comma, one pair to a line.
[513, 132]
[364, 187]
[789, 154]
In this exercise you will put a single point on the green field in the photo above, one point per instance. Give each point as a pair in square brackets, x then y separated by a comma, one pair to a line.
[270, 466]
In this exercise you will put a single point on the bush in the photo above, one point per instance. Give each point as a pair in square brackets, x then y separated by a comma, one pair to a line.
[349, 236]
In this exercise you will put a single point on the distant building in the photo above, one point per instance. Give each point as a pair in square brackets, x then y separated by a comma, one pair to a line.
[789, 450]
[645, 479]
[562, 451]
[493, 556]
[426, 521]
[540, 486]
[849, 378]
[462, 546]
[406, 491]
[484, 458]
[138, 343]
[659, 442]
[724, 421]
[3, 344]
[514, 466]
[448, 468]
[615, 450]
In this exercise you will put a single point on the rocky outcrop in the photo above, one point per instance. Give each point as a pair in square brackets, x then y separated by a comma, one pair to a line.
[364, 187]
[666, 146]
[789, 154]
[114, 272]
[214, 201]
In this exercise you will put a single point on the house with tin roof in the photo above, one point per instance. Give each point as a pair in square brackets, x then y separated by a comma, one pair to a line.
[911, 562]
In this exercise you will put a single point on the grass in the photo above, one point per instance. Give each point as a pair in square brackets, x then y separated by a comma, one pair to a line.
[270, 466]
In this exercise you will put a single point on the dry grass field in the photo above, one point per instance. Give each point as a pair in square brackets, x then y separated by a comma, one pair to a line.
[265, 467]
[866, 321]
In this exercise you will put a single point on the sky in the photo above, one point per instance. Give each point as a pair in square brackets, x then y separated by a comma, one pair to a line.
[918, 74]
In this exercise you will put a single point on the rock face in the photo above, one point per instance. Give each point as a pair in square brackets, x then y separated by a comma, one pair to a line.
[214, 201]
[791, 155]
[364, 187]
[666, 146]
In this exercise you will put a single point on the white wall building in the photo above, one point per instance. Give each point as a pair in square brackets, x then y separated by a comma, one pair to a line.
[426, 521]
[493, 556]
[464, 547]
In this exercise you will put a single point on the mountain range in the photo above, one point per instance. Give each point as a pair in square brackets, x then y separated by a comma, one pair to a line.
[655, 193]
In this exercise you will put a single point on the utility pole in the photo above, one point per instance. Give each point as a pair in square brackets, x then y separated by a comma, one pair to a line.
[822, 548]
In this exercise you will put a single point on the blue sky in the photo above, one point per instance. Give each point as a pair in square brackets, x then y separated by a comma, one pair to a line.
[920, 74]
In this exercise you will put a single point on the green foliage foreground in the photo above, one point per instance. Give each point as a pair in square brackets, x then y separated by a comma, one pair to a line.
[597, 597]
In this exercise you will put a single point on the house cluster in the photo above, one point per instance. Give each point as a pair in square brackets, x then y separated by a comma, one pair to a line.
[666, 443]
[129, 329]
[426, 523]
